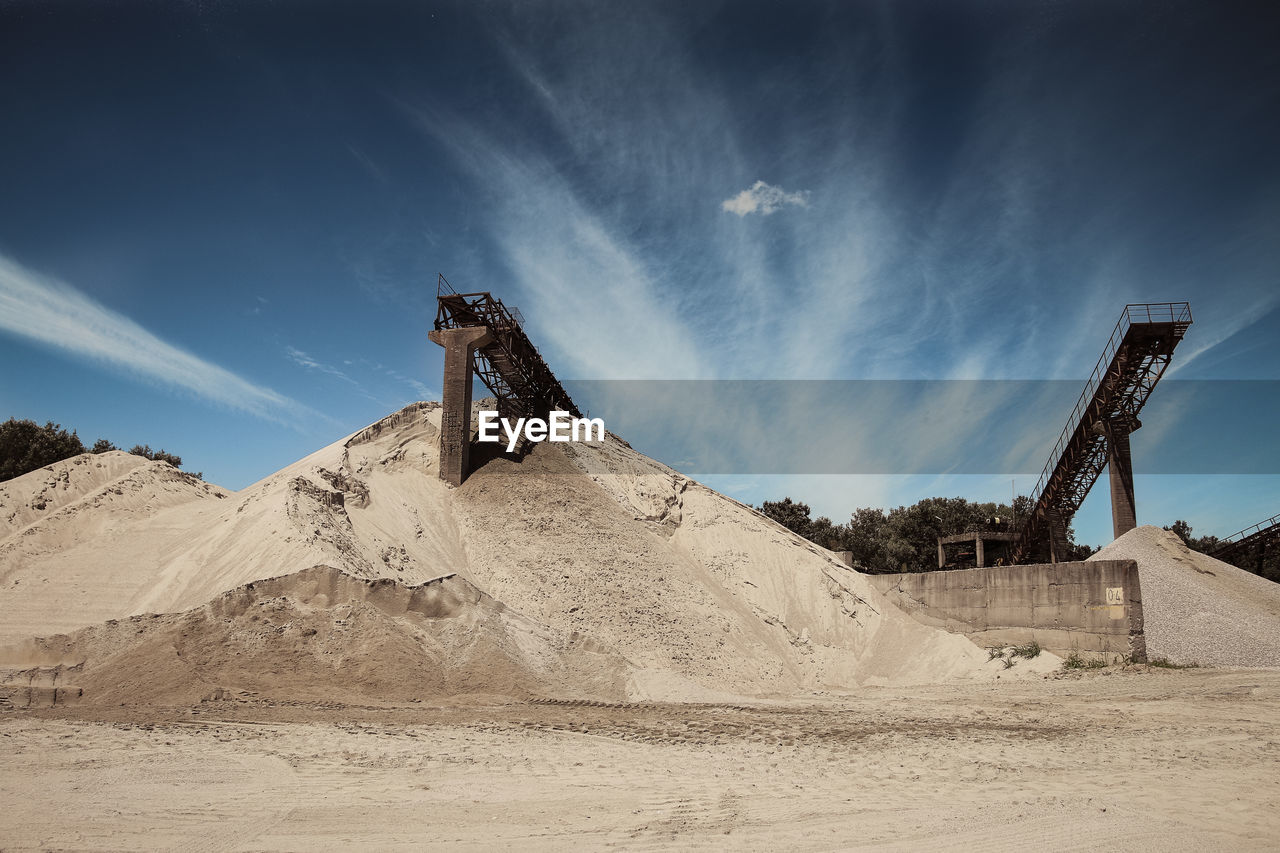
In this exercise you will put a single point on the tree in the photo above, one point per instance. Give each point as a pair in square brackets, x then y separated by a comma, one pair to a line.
[866, 535]
[145, 451]
[905, 539]
[793, 516]
[26, 446]
[827, 534]
[1203, 544]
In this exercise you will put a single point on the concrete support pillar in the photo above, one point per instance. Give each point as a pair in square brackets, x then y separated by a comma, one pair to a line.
[1057, 537]
[455, 419]
[977, 546]
[1124, 515]
[942, 555]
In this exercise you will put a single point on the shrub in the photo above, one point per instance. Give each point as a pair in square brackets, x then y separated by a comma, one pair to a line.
[1027, 650]
[26, 446]
[1075, 661]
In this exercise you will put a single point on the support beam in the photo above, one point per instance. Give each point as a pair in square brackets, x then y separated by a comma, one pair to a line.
[942, 554]
[1057, 537]
[978, 549]
[455, 421]
[1124, 515]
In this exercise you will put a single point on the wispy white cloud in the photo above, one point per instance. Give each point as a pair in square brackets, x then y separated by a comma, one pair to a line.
[366, 162]
[384, 397]
[561, 249]
[764, 199]
[423, 392]
[302, 359]
[990, 263]
[43, 309]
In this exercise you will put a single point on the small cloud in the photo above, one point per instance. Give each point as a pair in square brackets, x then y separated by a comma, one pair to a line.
[764, 199]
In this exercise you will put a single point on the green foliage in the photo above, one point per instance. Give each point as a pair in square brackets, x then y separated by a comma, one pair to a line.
[904, 539]
[1264, 562]
[1009, 656]
[1027, 650]
[1203, 544]
[792, 515]
[145, 451]
[26, 446]
[1076, 661]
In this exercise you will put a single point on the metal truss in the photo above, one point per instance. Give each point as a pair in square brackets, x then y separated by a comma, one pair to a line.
[510, 366]
[1237, 546]
[1136, 356]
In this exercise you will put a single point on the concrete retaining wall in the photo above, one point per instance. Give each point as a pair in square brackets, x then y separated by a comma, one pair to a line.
[1093, 608]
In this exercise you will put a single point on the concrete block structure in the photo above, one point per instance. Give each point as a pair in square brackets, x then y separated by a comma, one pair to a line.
[1092, 607]
[979, 539]
[455, 419]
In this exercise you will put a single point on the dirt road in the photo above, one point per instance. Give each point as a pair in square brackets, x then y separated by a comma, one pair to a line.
[1142, 759]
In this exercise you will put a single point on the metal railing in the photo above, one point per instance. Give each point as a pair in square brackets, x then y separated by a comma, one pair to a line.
[1177, 313]
[1236, 538]
[511, 365]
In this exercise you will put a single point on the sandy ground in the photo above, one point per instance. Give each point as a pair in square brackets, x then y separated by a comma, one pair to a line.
[1137, 760]
[350, 653]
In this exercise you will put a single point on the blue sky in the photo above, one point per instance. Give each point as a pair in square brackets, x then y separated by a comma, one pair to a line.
[220, 223]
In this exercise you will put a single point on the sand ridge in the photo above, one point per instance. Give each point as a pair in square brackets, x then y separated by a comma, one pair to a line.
[318, 635]
[702, 596]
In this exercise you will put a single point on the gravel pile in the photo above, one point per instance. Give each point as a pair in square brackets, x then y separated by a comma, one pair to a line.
[1198, 609]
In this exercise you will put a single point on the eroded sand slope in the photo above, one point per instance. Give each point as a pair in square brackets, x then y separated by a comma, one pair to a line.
[702, 596]
[315, 635]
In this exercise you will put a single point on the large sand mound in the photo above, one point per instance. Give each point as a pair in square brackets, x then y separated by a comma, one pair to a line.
[318, 634]
[694, 589]
[1197, 609]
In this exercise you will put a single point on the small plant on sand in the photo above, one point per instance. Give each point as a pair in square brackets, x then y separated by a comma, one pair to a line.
[1076, 661]
[1165, 663]
[995, 652]
[1026, 650]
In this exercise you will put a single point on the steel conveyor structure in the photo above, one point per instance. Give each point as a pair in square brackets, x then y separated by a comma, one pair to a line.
[1255, 540]
[510, 366]
[1097, 431]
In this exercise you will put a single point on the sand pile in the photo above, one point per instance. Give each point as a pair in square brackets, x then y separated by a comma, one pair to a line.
[72, 545]
[696, 591]
[318, 635]
[1197, 609]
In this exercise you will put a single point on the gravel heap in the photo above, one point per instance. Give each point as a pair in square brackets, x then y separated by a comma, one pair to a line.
[1198, 609]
